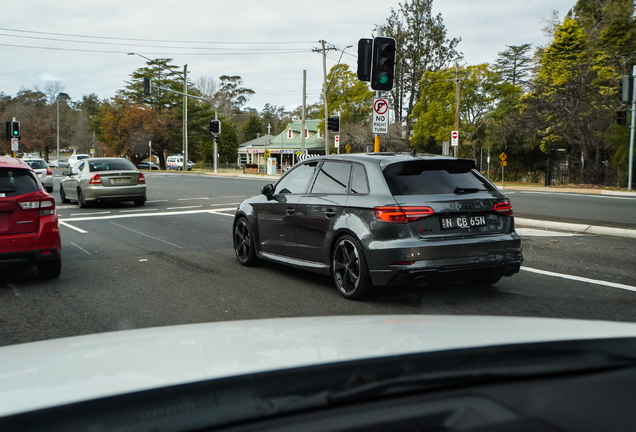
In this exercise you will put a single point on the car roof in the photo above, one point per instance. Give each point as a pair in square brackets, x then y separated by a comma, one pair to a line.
[11, 162]
[384, 158]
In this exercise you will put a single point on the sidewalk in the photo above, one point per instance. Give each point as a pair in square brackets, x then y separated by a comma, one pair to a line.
[569, 190]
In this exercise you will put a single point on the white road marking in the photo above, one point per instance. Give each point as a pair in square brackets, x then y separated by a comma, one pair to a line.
[186, 207]
[191, 199]
[220, 204]
[85, 214]
[529, 232]
[224, 214]
[233, 196]
[577, 195]
[15, 289]
[66, 207]
[581, 279]
[68, 225]
[132, 215]
[156, 201]
[81, 248]
[138, 210]
[146, 235]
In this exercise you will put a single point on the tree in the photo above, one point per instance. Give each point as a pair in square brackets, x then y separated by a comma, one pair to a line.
[276, 117]
[422, 46]
[228, 147]
[231, 96]
[252, 128]
[513, 64]
[348, 96]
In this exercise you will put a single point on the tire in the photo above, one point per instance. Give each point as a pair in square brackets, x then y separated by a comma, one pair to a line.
[140, 202]
[50, 269]
[81, 202]
[484, 278]
[244, 243]
[349, 269]
[63, 196]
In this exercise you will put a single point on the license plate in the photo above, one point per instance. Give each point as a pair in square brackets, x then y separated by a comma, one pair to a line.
[118, 181]
[463, 222]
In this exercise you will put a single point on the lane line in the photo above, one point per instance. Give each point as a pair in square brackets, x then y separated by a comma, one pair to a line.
[577, 195]
[220, 204]
[581, 279]
[132, 215]
[139, 210]
[93, 213]
[224, 214]
[531, 232]
[156, 201]
[81, 248]
[231, 196]
[186, 207]
[146, 235]
[68, 225]
[191, 199]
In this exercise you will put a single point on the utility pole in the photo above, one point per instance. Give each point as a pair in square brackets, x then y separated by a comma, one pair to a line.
[185, 121]
[302, 137]
[57, 131]
[457, 107]
[631, 135]
[324, 88]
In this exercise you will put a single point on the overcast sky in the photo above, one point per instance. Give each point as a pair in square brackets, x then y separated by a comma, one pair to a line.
[232, 38]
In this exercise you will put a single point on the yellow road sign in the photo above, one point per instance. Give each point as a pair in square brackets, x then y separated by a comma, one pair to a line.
[502, 156]
[504, 163]
[267, 153]
[348, 147]
[298, 153]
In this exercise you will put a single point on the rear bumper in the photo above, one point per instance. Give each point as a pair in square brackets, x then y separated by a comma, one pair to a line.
[118, 193]
[501, 252]
[32, 248]
[29, 257]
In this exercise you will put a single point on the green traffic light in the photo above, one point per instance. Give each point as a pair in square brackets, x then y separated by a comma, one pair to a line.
[384, 78]
[15, 132]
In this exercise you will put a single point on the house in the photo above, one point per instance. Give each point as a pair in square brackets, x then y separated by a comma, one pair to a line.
[284, 147]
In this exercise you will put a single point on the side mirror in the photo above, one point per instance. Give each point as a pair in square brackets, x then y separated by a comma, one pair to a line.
[268, 190]
[66, 173]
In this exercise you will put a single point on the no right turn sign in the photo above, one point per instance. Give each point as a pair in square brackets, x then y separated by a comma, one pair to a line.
[380, 121]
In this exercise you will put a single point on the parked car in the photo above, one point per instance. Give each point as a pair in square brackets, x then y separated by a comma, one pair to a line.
[175, 162]
[148, 165]
[41, 168]
[63, 163]
[103, 179]
[382, 219]
[76, 157]
[29, 233]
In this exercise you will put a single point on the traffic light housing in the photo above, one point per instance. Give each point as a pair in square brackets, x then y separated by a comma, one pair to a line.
[217, 139]
[364, 59]
[626, 88]
[215, 126]
[147, 87]
[333, 124]
[621, 118]
[14, 129]
[383, 63]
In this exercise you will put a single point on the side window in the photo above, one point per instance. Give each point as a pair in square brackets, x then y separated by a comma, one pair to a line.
[296, 181]
[359, 181]
[333, 178]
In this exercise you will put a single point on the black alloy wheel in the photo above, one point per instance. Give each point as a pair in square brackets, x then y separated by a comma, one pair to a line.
[80, 199]
[63, 195]
[349, 268]
[244, 243]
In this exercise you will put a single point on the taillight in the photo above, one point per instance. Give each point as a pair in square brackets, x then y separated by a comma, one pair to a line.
[141, 178]
[95, 180]
[504, 208]
[48, 171]
[45, 206]
[401, 214]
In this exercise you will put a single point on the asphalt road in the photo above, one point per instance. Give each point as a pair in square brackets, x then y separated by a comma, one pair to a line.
[171, 262]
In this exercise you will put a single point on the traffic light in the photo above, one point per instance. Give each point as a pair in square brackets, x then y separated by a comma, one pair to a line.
[15, 129]
[383, 63]
[217, 139]
[621, 118]
[147, 88]
[364, 59]
[215, 126]
[626, 88]
[333, 124]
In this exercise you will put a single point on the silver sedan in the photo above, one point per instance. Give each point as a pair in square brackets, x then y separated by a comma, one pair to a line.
[103, 179]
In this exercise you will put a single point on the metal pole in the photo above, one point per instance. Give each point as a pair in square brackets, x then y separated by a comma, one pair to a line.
[57, 100]
[457, 107]
[185, 118]
[150, 155]
[631, 135]
[302, 137]
[488, 164]
[376, 147]
[324, 85]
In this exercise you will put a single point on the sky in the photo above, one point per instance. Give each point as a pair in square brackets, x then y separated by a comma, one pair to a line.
[85, 44]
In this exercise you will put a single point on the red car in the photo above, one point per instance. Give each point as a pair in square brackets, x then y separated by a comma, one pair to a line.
[29, 229]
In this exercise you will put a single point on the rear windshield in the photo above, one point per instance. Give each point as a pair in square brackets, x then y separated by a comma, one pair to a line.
[36, 164]
[431, 177]
[80, 157]
[16, 182]
[110, 165]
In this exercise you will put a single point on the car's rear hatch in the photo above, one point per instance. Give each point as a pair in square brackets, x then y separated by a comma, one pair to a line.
[114, 173]
[20, 200]
[446, 197]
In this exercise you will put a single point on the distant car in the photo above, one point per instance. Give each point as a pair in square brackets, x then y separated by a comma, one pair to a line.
[103, 179]
[382, 219]
[175, 162]
[63, 163]
[29, 233]
[43, 171]
[148, 165]
[76, 157]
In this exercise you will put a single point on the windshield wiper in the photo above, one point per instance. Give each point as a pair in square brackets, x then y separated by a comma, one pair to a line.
[460, 190]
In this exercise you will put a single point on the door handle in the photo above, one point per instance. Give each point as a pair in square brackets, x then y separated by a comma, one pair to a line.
[290, 211]
[330, 213]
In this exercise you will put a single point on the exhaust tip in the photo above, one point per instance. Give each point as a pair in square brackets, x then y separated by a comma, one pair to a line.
[509, 271]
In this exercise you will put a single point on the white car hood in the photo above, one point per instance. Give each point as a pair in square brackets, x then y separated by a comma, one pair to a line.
[55, 372]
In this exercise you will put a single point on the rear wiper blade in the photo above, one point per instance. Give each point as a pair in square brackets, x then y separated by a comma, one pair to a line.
[460, 190]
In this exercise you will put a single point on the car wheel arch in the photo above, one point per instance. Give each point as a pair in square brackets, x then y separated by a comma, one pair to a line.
[337, 235]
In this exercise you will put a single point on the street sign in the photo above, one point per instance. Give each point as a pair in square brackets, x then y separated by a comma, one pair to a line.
[504, 163]
[380, 120]
[454, 138]
[337, 141]
[348, 147]
[298, 153]
[15, 144]
[267, 153]
[502, 156]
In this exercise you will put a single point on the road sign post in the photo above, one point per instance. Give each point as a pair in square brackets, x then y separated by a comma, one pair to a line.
[380, 123]
[15, 144]
[454, 138]
[336, 142]
[502, 158]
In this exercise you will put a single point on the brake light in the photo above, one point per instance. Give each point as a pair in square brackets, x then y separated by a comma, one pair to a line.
[400, 214]
[48, 171]
[142, 178]
[95, 180]
[504, 208]
[46, 206]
